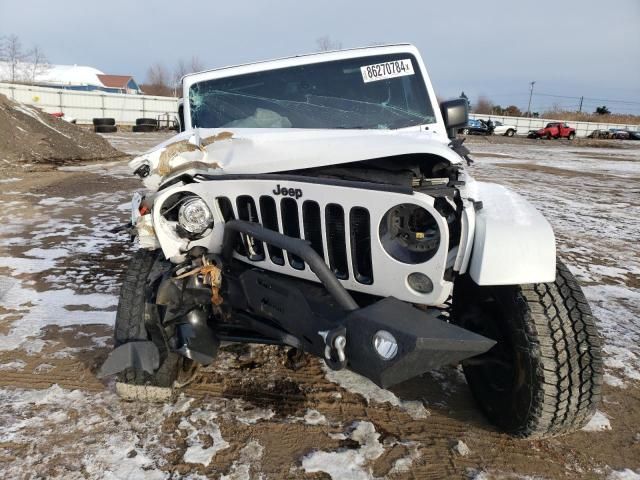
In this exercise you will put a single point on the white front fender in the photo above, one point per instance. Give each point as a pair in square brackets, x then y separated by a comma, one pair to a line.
[513, 243]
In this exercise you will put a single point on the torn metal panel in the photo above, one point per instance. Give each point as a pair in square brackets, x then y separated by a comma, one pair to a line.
[271, 150]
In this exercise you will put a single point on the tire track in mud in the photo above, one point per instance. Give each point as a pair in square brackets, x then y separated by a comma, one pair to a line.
[455, 418]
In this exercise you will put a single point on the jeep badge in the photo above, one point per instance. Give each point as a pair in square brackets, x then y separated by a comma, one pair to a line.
[288, 192]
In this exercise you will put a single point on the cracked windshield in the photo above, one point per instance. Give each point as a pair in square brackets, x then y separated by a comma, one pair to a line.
[380, 92]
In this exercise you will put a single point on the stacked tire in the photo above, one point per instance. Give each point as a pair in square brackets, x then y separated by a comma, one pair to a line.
[145, 125]
[104, 125]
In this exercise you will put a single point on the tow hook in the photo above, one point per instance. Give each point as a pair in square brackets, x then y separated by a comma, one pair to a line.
[336, 342]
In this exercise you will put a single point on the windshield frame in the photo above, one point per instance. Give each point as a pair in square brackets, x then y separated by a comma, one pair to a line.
[190, 80]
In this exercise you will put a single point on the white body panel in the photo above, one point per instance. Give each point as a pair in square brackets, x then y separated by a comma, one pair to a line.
[513, 243]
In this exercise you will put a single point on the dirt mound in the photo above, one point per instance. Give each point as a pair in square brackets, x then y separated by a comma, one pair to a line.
[31, 138]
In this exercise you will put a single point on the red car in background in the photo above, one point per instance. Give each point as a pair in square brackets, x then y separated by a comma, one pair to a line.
[554, 130]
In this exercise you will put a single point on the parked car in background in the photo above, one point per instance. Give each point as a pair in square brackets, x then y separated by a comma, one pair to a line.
[475, 127]
[634, 135]
[600, 134]
[500, 128]
[619, 134]
[554, 130]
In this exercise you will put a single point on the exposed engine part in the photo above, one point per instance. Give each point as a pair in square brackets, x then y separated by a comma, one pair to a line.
[211, 275]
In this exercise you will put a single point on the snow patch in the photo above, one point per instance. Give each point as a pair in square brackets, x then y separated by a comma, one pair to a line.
[626, 474]
[461, 449]
[250, 455]
[48, 308]
[15, 366]
[598, 423]
[197, 425]
[371, 392]
[121, 446]
[348, 464]
[314, 417]
[403, 465]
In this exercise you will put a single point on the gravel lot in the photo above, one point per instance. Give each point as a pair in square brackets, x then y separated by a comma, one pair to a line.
[247, 415]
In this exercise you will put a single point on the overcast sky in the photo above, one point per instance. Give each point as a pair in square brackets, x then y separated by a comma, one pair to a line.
[571, 48]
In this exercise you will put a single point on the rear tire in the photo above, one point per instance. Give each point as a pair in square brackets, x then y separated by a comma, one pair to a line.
[144, 128]
[105, 129]
[146, 121]
[510, 133]
[465, 131]
[133, 315]
[544, 376]
[104, 121]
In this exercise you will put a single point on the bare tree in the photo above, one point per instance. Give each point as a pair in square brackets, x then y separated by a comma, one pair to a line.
[13, 55]
[483, 105]
[39, 63]
[196, 65]
[182, 69]
[158, 80]
[325, 44]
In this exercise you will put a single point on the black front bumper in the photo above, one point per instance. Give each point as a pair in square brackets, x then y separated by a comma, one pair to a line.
[314, 320]
[323, 320]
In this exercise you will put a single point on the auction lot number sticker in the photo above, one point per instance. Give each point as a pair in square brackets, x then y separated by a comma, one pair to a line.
[382, 71]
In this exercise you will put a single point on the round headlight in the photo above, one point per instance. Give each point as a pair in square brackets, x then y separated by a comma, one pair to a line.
[385, 344]
[409, 233]
[194, 215]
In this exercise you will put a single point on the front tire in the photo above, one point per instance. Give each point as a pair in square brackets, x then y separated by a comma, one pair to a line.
[465, 131]
[544, 375]
[134, 316]
[571, 136]
[510, 133]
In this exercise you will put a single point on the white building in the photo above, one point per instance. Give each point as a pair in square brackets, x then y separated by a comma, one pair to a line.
[69, 77]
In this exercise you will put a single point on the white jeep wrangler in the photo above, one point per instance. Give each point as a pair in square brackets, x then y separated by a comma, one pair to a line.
[321, 202]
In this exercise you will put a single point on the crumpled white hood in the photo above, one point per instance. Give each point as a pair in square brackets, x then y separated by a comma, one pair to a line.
[262, 150]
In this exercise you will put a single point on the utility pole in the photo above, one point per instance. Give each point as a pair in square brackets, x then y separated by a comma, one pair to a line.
[530, 95]
[580, 109]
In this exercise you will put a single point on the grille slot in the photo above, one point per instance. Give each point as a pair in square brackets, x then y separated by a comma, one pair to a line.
[312, 224]
[291, 228]
[269, 213]
[336, 241]
[360, 229]
[247, 211]
[226, 209]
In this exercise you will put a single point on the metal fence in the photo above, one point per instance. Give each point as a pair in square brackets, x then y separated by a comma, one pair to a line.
[85, 106]
[524, 124]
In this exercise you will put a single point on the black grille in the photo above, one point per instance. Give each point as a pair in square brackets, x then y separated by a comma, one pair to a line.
[336, 242]
[268, 210]
[360, 228]
[291, 228]
[310, 225]
[247, 211]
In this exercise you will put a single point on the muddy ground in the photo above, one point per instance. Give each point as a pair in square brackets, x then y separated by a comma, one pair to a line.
[247, 416]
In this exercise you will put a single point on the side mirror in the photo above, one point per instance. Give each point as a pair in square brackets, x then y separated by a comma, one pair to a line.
[455, 114]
